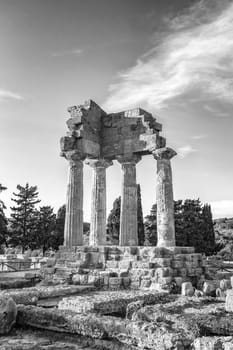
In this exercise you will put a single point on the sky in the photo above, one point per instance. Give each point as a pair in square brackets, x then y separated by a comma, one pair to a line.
[173, 58]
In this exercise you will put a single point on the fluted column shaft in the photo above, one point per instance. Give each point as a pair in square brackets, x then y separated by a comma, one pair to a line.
[164, 198]
[73, 233]
[98, 206]
[128, 217]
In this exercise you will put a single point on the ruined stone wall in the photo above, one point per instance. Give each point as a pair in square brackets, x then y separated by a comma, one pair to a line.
[129, 267]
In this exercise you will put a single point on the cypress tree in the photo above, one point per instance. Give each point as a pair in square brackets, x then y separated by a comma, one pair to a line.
[193, 223]
[141, 233]
[208, 229]
[3, 220]
[24, 216]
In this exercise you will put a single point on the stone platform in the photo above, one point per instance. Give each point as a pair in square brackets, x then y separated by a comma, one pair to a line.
[115, 267]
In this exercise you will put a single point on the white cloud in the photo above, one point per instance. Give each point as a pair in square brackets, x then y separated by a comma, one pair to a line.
[9, 95]
[74, 52]
[184, 151]
[199, 137]
[222, 209]
[196, 53]
[214, 111]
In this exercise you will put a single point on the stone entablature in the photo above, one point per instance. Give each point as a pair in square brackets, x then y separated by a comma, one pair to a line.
[97, 134]
[98, 138]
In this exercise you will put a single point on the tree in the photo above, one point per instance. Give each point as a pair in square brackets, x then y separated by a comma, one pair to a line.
[45, 226]
[181, 238]
[141, 232]
[151, 227]
[113, 223]
[208, 229]
[3, 220]
[57, 236]
[193, 226]
[24, 216]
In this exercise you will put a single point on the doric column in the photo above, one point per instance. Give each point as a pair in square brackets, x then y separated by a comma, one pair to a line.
[73, 234]
[164, 197]
[98, 202]
[128, 217]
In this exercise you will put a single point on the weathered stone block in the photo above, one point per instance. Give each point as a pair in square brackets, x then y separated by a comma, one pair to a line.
[182, 272]
[162, 262]
[145, 283]
[76, 279]
[225, 284]
[83, 279]
[30, 275]
[209, 287]
[213, 343]
[8, 312]
[177, 264]
[125, 264]
[163, 272]
[229, 300]
[126, 282]
[112, 264]
[165, 280]
[187, 289]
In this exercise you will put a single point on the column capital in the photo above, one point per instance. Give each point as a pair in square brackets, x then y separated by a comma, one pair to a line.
[129, 158]
[74, 156]
[98, 163]
[164, 153]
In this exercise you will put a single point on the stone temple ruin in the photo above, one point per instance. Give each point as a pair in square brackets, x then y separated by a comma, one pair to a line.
[98, 138]
[121, 297]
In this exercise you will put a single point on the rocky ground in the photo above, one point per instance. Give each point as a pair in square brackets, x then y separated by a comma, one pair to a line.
[162, 322]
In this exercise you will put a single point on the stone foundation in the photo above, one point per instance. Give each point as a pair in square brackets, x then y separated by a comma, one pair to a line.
[115, 267]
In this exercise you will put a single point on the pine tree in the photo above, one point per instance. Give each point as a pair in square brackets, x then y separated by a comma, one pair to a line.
[3, 220]
[141, 232]
[23, 216]
[45, 226]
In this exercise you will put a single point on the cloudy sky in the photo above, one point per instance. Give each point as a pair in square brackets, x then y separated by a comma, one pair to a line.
[173, 58]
